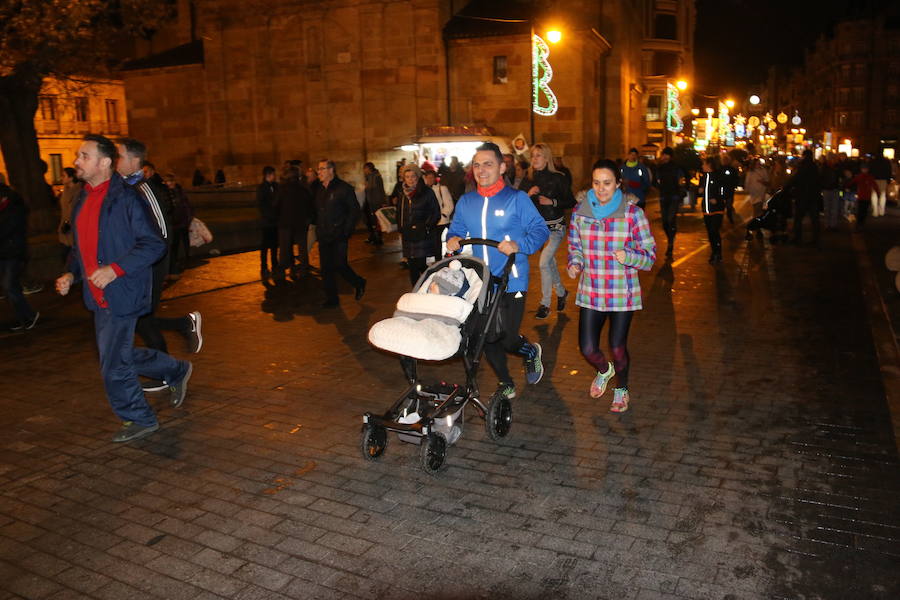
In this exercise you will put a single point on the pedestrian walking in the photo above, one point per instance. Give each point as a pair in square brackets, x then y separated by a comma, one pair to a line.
[609, 241]
[636, 177]
[445, 201]
[496, 211]
[149, 326]
[13, 252]
[864, 185]
[114, 252]
[375, 200]
[453, 176]
[71, 189]
[669, 180]
[730, 177]
[268, 223]
[551, 194]
[337, 212]
[294, 207]
[807, 192]
[182, 215]
[713, 205]
[418, 216]
[880, 169]
[830, 182]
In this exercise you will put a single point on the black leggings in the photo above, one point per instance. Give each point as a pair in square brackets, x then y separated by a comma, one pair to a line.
[511, 311]
[590, 326]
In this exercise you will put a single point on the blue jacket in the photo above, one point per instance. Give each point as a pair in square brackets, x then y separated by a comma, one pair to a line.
[636, 179]
[129, 237]
[511, 216]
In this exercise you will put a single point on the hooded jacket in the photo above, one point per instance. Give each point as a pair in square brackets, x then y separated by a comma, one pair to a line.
[128, 235]
[508, 215]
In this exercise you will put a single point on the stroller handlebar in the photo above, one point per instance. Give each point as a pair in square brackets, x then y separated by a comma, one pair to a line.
[478, 242]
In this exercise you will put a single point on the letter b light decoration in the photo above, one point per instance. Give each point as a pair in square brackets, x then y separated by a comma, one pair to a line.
[541, 74]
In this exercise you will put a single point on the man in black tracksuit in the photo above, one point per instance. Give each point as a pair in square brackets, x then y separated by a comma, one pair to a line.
[730, 177]
[337, 211]
[668, 179]
[712, 190]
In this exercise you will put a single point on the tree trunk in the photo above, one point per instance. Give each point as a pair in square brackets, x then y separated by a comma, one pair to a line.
[18, 138]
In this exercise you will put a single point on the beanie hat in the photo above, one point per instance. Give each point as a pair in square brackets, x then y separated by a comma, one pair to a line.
[451, 281]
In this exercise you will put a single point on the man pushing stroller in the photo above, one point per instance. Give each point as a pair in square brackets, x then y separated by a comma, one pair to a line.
[497, 212]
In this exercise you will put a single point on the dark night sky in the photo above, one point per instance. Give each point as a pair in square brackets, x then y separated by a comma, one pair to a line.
[737, 40]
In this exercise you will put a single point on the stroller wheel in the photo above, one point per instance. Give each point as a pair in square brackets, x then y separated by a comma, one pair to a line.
[374, 441]
[498, 419]
[434, 453]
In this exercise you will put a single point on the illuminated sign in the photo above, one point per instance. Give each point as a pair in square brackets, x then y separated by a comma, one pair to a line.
[541, 74]
[673, 121]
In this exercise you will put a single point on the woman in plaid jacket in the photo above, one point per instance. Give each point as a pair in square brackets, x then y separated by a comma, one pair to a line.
[609, 240]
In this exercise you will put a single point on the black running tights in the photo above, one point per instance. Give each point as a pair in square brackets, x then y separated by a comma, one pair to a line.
[590, 326]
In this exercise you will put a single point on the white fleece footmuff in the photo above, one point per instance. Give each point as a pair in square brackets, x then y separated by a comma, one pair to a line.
[425, 340]
[448, 307]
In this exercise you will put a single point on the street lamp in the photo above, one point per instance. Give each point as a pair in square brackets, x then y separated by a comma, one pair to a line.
[754, 100]
[681, 84]
[729, 103]
[554, 36]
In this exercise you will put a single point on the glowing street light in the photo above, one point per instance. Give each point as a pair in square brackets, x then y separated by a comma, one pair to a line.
[681, 84]
[754, 100]
[554, 36]
[695, 111]
[729, 103]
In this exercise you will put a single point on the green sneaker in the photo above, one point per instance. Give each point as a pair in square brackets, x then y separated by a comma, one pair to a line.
[534, 367]
[598, 386]
[506, 389]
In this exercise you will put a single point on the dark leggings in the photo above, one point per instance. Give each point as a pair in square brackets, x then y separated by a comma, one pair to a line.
[511, 311]
[590, 326]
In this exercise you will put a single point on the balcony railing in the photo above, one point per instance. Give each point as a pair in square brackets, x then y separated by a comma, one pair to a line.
[79, 127]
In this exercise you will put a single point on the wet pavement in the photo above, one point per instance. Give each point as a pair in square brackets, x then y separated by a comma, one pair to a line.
[757, 459]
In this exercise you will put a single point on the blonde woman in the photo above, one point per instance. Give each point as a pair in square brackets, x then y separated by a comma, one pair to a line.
[551, 194]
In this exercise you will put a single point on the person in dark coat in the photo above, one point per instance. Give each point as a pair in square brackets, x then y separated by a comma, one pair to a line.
[13, 251]
[807, 191]
[268, 221]
[337, 212]
[669, 177]
[419, 213]
[375, 199]
[453, 176]
[182, 214]
[295, 212]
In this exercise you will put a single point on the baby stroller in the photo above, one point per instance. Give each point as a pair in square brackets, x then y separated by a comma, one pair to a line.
[436, 327]
[774, 217]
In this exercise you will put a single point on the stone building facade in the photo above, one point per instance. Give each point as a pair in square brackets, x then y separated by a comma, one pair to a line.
[66, 111]
[243, 85]
[848, 86]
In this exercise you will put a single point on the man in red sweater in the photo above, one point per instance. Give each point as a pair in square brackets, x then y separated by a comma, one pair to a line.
[115, 244]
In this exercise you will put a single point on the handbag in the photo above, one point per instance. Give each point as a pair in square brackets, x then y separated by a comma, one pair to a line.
[387, 218]
[199, 233]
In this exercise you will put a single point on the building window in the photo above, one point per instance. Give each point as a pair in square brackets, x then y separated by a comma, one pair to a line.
[842, 119]
[892, 91]
[112, 111]
[859, 70]
[501, 74]
[890, 117]
[56, 168]
[859, 95]
[845, 72]
[894, 69]
[48, 108]
[665, 27]
[843, 96]
[665, 63]
[654, 108]
[81, 109]
[856, 118]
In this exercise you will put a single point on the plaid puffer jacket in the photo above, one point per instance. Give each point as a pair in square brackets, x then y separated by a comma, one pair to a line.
[606, 284]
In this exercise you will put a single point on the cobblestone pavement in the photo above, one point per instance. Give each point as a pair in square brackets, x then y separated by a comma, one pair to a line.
[757, 460]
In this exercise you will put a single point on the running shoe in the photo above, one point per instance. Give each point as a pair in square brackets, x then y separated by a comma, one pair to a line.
[620, 400]
[195, 335]
[534, 368]
[598, 386]
[507, 390]
[542, 312]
